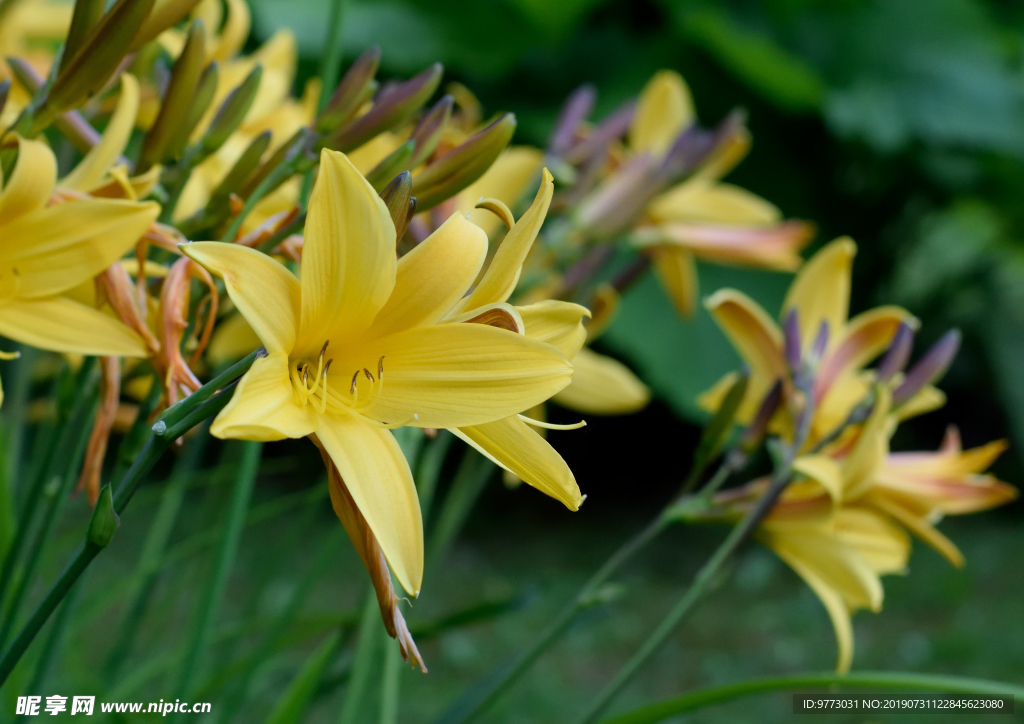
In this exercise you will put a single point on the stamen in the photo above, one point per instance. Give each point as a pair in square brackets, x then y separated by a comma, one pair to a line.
[380, 368]
[368, 375]
[324, 349]
[300, 387]
[323, 392]
[551, 425]
[355, 378]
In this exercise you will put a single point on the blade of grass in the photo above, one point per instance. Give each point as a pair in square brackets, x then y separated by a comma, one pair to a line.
[292, 706]
[469, 482]
[390, 684]
[428, 470]
[364, 663]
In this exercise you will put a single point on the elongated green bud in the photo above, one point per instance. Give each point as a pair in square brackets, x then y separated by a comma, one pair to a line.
[105, 521]
[462, 165]
[395, 163]
[393, 107]
[100, 53]
[355, 88]
[232, 111]
[429, 130]
[177, 100]
[242, 169]
[87, 13]
[205, 89]
[718, 428]
[166, 14]
[400, 202]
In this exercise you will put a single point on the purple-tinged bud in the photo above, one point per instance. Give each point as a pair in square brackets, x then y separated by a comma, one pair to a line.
[394, 105]
[618, 201]
[575, 111]
[820, 342]
[687, 152]
[390, 166]
[397, 195]
[614, 126]
[429, 130]
[232, 111]
[895, 359]
[758, 427]
[355, 88]
[929, 368]
[791, 339]
[5, 89]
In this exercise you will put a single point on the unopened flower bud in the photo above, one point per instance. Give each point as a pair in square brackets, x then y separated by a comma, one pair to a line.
[751, 438]
[177, 101]
[355, 88]
[105, 521]
[393, 106]
[202, 97]
[232, 111]
[400, 202]
[241, 171]
[165, 15]
[574, 112]
[459, 167]
[820, 343]
[929, 368]
[791, 339]
[614, 126]
[721, 423]
[429, 130]
[86, 15]
[391, 165]
[83, 75]
[895, 359]
[614, 204]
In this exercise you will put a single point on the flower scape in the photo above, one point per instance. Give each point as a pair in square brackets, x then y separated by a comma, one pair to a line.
[191, 247]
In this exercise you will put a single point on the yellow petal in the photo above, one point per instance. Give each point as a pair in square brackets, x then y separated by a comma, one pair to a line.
[348, 261]
[454, 375]
[677, 273]
[499, 281]
[507, 180]
[556, 322]
[264, 406]
[927, 399]
[62, 325]
[603, 386]
[57, 247]
[823, 470]
[377, 477]
[869, 452]
[665, 108]
[771, 247]
[865, 337]
[515, 446]
[756, 338]
[433, 276]
[920, 527]
[501, 315]
[264, 291]
[821, 291]
[93, 167]
[701, 200]
[234, 33]
[30, 182]
[232, 339]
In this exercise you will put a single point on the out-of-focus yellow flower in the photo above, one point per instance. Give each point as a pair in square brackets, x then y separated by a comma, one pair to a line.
[50, 249]
[354, 348]
[820, 298]
[32, 30]
[702, 218]
[844, 522]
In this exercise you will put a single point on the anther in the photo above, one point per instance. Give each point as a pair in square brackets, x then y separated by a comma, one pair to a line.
[380, 368]
[355, 378]
[324, 348]
[368, 375]
[305, 375]
[327, 366]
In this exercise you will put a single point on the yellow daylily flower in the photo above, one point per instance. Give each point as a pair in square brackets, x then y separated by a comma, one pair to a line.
[508, 178]
[845, 521]
[49, 250]
[602, 386]
[702, 218]
[354, 348]
[820, 296]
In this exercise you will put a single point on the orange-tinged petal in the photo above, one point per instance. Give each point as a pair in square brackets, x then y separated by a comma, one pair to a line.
[773, 247]
[264, 406]
[821, 291]
[433, 276]
[378, 478]
[264, 291]
[348, 260]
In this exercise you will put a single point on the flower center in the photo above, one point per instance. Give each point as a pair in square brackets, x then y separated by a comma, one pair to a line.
[301, 379]
[376, 385]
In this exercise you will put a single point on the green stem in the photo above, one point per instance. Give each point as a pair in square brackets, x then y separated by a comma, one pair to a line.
[390, 683]
[702, 583]
[274, 179]
[15, 403]
[283, 233]
[860, 679]
[484, 694]
[196, 412]
[153, 551]
[52, 646]
[207, 615]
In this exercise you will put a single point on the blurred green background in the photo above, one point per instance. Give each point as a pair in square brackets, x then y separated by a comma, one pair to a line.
[898, 122]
